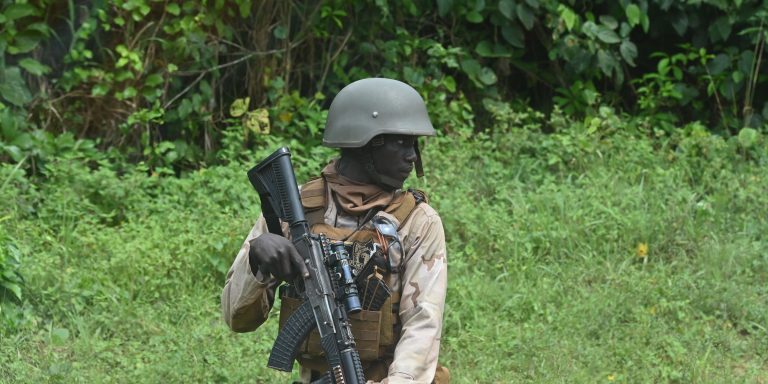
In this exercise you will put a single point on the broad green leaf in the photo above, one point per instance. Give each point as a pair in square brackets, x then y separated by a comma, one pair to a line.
[501, 50]
[748, 137]
[607, 36]
[633, 14]
[525, 15]
[737, 76]
[720, 30]
[594, 124]
[450, 83]
[487, 49]
[624, 30]
[484, 48]
[413, 76]
[719, 64]
[590, 96]
[153, 80]
[606, 62]
[487, 76]
[245, 9]
[609, 21]
[474, 17]
[746, 61]
[100, 89]
[645, 22]
[663, 66]
[24, 140]
[444, 6]
[479, 5]
[40, 28]
[513, 35]
[677, 73]
[18, 11]
[123, 75]
[24, 42]
[590, 29]
[569, 17]
[507, 8]
[173, 9]
[13, 88]
[34, 67]
[257, 121]
[13, 151]
[121, 62]
[628, 51]
[13, 287]
[680, 23]
[129, 92]
[533, 3]
[471, 67]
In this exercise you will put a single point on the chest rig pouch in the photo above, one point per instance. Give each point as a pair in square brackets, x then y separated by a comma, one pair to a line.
[376, 326]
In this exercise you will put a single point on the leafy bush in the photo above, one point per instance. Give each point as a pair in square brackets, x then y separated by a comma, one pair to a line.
[157, 80]
[10, 278]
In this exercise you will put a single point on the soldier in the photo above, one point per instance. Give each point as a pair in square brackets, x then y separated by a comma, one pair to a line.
[395, 240]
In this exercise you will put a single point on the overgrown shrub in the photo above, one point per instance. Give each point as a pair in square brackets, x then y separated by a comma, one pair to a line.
[158, 80]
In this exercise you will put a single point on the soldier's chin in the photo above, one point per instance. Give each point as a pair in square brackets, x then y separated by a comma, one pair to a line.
[391, 183]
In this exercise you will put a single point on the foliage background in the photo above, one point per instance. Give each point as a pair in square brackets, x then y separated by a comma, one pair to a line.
[616, 149]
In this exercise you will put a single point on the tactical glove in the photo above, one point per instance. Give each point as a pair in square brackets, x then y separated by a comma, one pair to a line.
[275, 255]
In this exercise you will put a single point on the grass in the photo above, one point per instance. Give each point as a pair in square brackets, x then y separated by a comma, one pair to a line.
[123, 271]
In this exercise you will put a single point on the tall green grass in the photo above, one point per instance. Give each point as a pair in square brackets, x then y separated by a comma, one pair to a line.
[123, 269]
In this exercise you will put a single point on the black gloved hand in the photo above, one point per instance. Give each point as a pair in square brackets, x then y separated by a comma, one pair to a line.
[275, 255]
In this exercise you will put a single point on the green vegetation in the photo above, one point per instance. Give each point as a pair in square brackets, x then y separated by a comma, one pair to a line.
[550, 279]
[176, 83]
[600, 167]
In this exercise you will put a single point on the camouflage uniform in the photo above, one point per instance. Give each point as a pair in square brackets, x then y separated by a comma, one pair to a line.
[247, 299]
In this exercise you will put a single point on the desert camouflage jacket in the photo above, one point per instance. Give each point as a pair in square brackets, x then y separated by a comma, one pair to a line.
[247, 299]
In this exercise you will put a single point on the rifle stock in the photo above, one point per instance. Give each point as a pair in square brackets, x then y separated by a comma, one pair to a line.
[323, 307]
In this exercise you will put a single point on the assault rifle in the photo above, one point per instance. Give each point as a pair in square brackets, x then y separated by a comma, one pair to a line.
[330, 290]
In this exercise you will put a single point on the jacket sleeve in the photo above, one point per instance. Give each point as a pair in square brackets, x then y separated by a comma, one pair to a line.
[247, 299]
[422, 299]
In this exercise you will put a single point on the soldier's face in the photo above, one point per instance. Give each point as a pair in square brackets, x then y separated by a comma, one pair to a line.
[395, 157]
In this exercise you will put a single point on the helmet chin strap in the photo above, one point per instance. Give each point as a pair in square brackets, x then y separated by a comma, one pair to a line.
[419, 165]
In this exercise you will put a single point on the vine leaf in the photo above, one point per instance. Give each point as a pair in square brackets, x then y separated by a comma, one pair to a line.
[525, 15]
[239, 107]
[607, 36]
[633, 14]
[507, 8]
[13, 88]
[513, 35]
[628, 51]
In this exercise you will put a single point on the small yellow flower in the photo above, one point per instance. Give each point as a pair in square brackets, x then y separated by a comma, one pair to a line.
[652, 310]
[642, 250]
[611, 377]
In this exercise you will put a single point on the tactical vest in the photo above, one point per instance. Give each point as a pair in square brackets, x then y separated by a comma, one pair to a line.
[376, 332]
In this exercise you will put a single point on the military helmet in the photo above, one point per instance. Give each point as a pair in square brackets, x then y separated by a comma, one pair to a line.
[375, 106]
